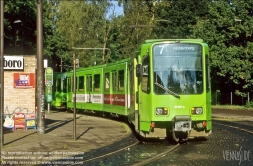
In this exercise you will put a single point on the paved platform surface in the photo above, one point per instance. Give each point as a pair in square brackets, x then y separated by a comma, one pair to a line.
[91, 133]
[233, 114]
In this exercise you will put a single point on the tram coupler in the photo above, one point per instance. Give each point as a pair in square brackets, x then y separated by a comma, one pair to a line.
[182, 123]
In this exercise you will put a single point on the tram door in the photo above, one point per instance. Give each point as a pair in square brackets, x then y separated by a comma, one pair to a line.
[144, 91]
[133, 95]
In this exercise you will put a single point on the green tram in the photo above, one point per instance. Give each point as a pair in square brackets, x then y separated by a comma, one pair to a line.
[165, 91]
[59, 90]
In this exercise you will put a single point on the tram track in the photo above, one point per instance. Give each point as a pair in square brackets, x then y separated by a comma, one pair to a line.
[132, 152]
[236, 125]
[239, 125]
[130, 148]
[152, 159]
[135, 154]
[112, 151]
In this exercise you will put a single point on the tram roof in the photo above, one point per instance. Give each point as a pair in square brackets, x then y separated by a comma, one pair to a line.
[176, 40]
[101, 66]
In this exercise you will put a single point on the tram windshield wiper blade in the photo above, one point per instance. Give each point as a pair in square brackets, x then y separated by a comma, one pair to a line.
[169, 91]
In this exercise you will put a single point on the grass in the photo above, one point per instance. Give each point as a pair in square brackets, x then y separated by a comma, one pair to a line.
[231, 107]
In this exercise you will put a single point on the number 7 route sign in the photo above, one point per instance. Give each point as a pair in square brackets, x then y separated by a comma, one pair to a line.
[49, 76]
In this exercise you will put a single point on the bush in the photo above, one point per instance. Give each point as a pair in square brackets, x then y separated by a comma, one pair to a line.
[249, 104]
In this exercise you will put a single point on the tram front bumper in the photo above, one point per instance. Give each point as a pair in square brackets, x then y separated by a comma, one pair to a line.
[182, 123]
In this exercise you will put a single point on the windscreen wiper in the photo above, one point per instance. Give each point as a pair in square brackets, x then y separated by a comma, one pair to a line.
[169, 91]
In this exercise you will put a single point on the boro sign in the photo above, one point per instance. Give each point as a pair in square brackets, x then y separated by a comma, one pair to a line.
[13, 63]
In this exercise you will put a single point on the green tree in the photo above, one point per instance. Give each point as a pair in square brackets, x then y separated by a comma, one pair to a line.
[55, 43]
[84, 25]
[135, 27]
[174, 18]
[20, 28]
[20, 24]
[227, 30]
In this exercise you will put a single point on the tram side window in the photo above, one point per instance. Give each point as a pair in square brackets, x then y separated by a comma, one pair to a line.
[58, 84]
[88, 83]
[114, 87]
[81, 84]
[97, 82]
[107, 81]
[145, 82]
[121, 80]
[69, 84]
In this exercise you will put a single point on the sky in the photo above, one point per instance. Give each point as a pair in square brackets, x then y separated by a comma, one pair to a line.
[118, 10]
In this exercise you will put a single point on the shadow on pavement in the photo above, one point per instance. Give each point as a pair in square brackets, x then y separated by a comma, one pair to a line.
[50, 125]
[7, 130]
[59, 123]
[84, 132]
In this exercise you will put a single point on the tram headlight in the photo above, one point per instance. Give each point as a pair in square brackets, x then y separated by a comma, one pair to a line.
[161, 111]
[197, 110]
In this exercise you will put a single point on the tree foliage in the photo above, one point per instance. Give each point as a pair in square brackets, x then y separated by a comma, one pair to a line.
[227, 30]
[225, 25]
[135, 27]
[84, 25]
[20, 23]
[175, 18]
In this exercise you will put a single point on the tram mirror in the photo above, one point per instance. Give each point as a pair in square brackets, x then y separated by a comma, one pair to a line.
[138, 70]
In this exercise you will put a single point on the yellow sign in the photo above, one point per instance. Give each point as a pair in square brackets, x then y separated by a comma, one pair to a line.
[30, 123]
[49, 70]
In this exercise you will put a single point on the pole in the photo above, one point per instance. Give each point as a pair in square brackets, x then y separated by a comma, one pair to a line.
[1, 75]
[216, 97]
[231, 98]
[40, 70]
[248, 96]
[48, 103]
[61, 65]
[74, 98]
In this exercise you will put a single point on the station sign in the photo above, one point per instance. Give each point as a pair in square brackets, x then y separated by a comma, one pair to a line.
[49, 76]
[13, 63]
[49, 98]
